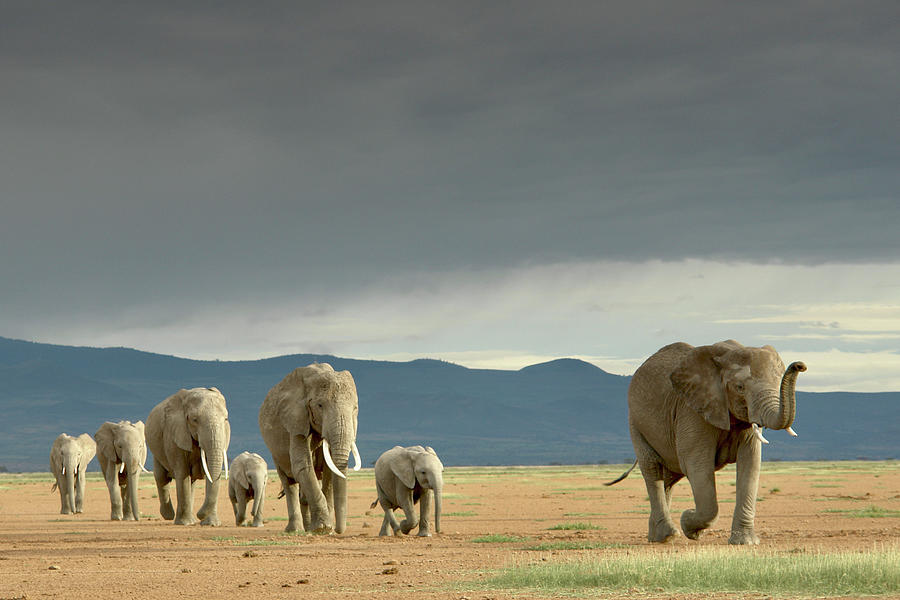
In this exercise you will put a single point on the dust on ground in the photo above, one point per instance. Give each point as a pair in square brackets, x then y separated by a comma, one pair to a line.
[43, 554]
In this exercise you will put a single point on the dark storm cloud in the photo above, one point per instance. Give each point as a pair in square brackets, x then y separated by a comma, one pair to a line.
[148, 148]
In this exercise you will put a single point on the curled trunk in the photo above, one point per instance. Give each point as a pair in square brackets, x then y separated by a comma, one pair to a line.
[787, 403]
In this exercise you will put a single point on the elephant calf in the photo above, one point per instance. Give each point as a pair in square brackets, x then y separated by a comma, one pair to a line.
[122, 452]
[247, 480]
[403, 477]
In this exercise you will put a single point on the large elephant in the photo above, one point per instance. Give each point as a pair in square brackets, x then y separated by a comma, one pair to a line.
[693, 410]
[247, 480]
[403, 477]
[312, 408]
[69, 457]
[122, 452]
[188, 434]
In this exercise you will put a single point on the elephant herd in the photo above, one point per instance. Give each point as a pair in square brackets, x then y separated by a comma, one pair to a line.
[308, 421]
[691, 411]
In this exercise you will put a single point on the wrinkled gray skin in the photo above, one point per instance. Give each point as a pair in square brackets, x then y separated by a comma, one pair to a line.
[311, 404]
[690, 412]
[403, 477]
[122, 452]
[69, 457]
[180, 430]
[246, 480]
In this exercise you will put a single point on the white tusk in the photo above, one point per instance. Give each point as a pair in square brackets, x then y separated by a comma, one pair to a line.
[757, 431]
[121, 467]
[326, 452]
[144, 469]
[225, 454]
[64, 471]
[357, 461]
[792, 432]
[205, 468]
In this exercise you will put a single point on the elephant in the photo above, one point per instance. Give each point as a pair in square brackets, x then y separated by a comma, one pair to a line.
[314, 409]
[247, 479]
[403, 477]
[691, 411]
[122, 452]
[188, 434]
[69, 457]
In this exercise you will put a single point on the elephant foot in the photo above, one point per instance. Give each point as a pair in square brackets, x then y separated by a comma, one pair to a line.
[167, 511]
[424, 533]
[693, 525]
[188, 520]
[743, 538]
[211, 521]
[115, 517]
[257, 523]
[662, 531]
[294, 527]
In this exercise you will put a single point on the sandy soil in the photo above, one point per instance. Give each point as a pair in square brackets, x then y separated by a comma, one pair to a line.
[47, 555]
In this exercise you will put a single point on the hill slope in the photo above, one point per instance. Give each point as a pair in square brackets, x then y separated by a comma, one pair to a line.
[563, 411]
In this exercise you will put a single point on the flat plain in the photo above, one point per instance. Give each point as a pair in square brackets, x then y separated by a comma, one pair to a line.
[494, 518]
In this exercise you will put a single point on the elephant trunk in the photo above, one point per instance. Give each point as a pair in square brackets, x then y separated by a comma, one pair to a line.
[131, 487]
[781, 416]
[259, 493]
[70, 474]
[438, 496]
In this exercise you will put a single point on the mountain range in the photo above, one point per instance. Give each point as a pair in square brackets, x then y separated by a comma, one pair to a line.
[564, 411]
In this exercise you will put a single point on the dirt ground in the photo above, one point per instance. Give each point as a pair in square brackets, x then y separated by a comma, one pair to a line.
[811, 506]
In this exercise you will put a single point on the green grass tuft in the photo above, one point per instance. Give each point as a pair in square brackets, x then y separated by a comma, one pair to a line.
[465, 513]
[727, 570]
[498, 539]
[574, 526]
[567, 545]
[869, 512]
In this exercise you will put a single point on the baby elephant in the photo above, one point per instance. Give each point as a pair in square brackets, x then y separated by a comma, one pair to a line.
[246, 480]
[404, 476]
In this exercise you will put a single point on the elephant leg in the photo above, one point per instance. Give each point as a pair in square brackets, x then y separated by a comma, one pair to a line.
[79, 492]
[63, 497]
[425, 502]
[747, 484]
[702, 476]
[405, 499]
[238, 497]
[166, 510]
[127, 513]
[305, 475]
[185, 497]
[328, 492]
[209, 510]
[292, 498]
[258, 509]
[111, 475]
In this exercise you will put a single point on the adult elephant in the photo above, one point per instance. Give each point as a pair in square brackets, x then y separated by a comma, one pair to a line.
[188, 434]
[69, 457]
[404, 477]
[693, 410]
[312, 408]
[122, 452]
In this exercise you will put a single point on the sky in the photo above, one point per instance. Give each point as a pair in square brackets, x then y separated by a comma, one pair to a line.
[490, 183]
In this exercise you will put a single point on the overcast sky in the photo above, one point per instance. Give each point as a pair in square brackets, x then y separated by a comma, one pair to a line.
[491, 183]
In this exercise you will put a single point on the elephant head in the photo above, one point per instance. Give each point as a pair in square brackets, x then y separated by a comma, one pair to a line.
[416, 466]
[198, 417]
[122, 453]
[728, 382]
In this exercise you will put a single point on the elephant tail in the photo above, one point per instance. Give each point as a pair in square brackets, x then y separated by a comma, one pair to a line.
[623, 475]
[374, 504]
[281, 493]
[53, 489]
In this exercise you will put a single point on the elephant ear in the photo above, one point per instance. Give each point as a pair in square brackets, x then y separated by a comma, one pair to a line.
[175, 425]
[698, 381]
[88, 448]
[240, 474]
[402, 466]
[105, 438]
[139, 425]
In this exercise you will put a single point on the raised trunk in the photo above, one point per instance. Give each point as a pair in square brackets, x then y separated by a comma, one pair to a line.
[783, 415]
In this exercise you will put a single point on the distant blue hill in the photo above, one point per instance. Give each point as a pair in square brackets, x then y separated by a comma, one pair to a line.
[560, 412]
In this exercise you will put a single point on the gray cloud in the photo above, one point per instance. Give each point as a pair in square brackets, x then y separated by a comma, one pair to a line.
[233, 153]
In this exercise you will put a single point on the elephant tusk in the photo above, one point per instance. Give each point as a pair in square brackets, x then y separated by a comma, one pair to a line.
[64, 471]
[357, 461]
[225, 455]
[144, 469]
[205, 468]
[121, 467]
[757, 431]
[326, 452]
[792, 432]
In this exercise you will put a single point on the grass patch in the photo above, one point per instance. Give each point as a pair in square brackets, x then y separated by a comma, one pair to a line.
[267, 519]
[567, 545]
[869, 512]
[574, 526]
[264, 543]
[874, 573]
[464, 513]
[498, 539]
